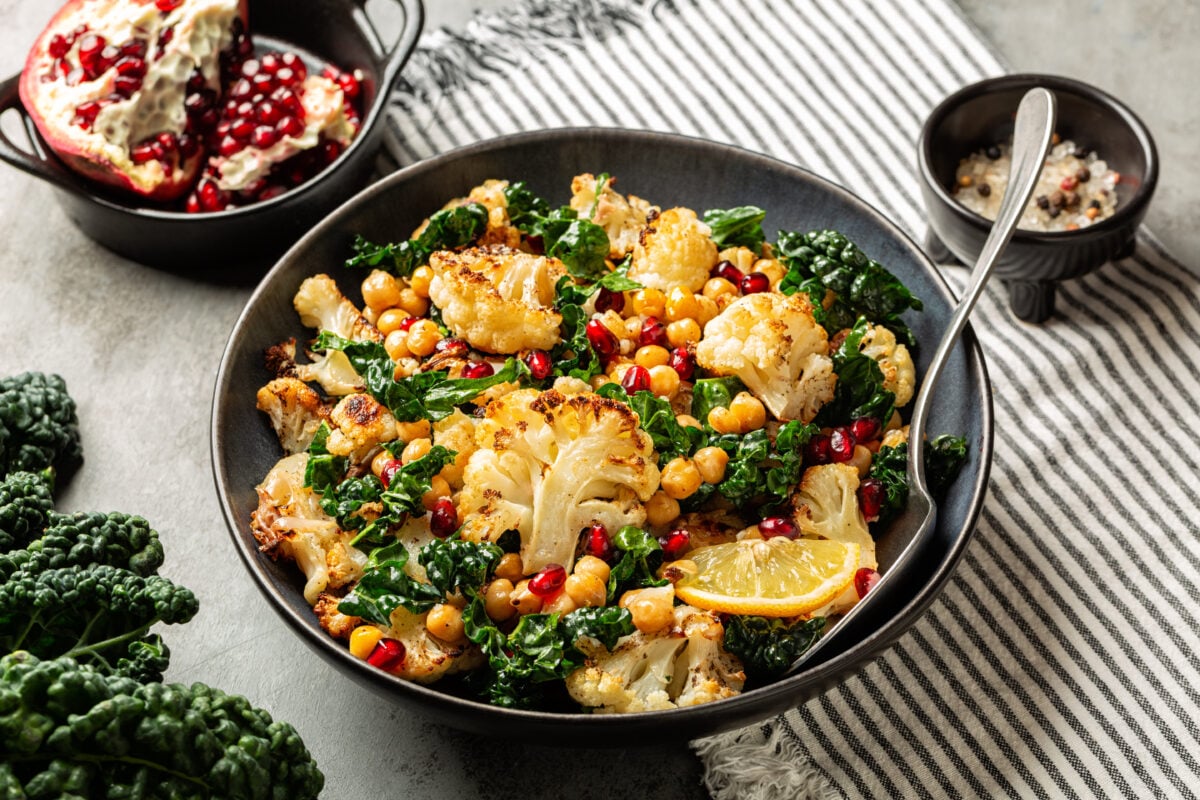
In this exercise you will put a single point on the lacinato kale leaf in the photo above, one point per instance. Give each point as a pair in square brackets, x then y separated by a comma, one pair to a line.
[710, 393]
[641, 556]
[580, 244]
[448, 229]
[323, 470]
[454, 565]
[768, 646]
[401, 497]
[573, 355]
[658, 420]
[760, 473]
[859, 391]
[944, 457]
[524, 207]
[737, 227]
[386, 587]
[605, 624]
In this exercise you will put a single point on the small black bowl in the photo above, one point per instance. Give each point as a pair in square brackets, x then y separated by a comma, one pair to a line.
[240, 243]
[980, 115]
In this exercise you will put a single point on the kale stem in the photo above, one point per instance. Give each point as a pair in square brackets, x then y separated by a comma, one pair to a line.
[94, 648]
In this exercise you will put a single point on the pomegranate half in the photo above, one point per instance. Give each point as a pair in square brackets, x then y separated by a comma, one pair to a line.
[125, 92]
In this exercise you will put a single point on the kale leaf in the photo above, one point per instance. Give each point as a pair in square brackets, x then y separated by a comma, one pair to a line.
[456, 565]
[768, 646]
[385, 587]
[761, 473]
[710, 393]
[658, 420]
[580, 244]
[859, 391]
[737, 227]
[641, 556]
[944, 458]
[448, 229]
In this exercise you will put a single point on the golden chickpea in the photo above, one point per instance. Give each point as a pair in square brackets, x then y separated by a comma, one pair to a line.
[651, 355]
[648, 302]
[586, 590]
[561, 604]
[652, 609]
[423, 337]
[718, 287]
[661, 509]
[363, 640]
[683, 332]
[680, 304]
[407, 431]
[749, 412]
[446, 623]
[861, 460]
[711, 461]
[722, 420]
[413, 303]
[380, 461]
[664, 381]
[396, 344]
[421, 278]
[894, 422]
[688, 421]
[510, 567]
[415, 449]
[496, 600]
[771, 268]
[370, 315]
[438, 488]
[708, 310]
[391, 320]
[525, 601]
[380, 290]
[680, 478]
[404, 368]
[633, 328]
[597, 381]
[590, 565]
[452, 473]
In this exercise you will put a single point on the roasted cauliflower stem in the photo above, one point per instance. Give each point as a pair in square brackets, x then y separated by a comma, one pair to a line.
[772, 343]
[323, 307]
[498, 299]
[360, 424]
[622, 218]
[426, 657]
[674, 250]
[289, 523]
[826, 506]
[550, 465]
[295, 409]
[899, 373]
[456, 432]
[681, 666]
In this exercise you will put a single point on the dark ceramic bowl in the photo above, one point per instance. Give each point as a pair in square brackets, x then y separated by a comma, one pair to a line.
[981, 115]
[670, 170]
[240, 243]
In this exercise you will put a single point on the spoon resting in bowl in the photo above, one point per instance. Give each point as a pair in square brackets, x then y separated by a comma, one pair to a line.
[1031, 143]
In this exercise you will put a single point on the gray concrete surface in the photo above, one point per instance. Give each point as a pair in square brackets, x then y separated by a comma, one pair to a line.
[140, 348]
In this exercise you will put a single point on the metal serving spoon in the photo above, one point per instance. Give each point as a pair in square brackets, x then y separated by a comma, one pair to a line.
[1031, 143]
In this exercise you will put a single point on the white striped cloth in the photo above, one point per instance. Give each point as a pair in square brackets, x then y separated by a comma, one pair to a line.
[1063, 659]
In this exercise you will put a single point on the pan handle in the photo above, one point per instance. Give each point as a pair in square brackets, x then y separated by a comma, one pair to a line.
[395, 56]
[30, 158]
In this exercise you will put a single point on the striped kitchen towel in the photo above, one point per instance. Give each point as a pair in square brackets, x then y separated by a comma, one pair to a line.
[1063, 659]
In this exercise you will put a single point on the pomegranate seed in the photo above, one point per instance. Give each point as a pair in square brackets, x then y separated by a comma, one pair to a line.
[549, 581]
[271, 192]
[607, 300]
[268, 113]
[192, 206]
[264, 137]
[285, 76]
[142, 153]
[270, 63]
[59, 46]
[778, 526]
[653, 332]
[91, 45]
[539, 364]
[754, 283]
[636, 379]
[388, 655]
[683, 362]
[841, 445]
[864, 581]
[288, 99]
[164, 39]
[211, 196]
[74, 77]
[478, 369]
[241, 130]
[86, 112]
[601, 338]
[450, 345]
[130, 65]
[816, 452]
[250, 68]
[349, 83]
[188, 146]
[126, 86]
[443, 520]
[290, 126]
[330, 151]
[167, 6]
[865, 429]
[263, 82]
[726, 270]
[199, 101]
[675, 544]
[870, 498]
[241, 90]
[293, 61]
[598, 543]
[407, 323]
[167, 141]
[389, 471]
[134, 48]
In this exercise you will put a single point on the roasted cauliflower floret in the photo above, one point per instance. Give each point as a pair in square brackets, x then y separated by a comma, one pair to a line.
[550, 465]
[681, 666]
[826, 505]
[772, 343]
[323, 307]
[456, 432]
[289, 523]
[360, 424]
[622, 218]
[674, 250]
[899, 374]
[498, 299]
[295, 411]
[426, 657]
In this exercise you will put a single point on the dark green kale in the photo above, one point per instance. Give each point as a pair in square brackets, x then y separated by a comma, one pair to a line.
[737, 227]
[859, 391]
[39, 426]
[760, 473]
[658, 420]
[396, 502]
[26, 500]
[944, 458]
[455, 565]
[323, 470]
[115, 539]
[68, 731]
[573, 355]
[710, 393]
[641, 556]
[827, 260]
[580, 244]
[448, 229]
[768, 646]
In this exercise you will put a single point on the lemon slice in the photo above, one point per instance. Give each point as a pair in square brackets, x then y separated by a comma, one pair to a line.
[776, 577]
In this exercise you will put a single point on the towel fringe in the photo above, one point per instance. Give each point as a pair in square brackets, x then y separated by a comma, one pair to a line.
[761, 763]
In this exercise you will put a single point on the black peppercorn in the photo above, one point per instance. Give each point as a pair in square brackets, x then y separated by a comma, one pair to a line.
[983, 189]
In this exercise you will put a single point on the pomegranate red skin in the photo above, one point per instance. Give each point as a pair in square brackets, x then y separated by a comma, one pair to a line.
[90, 165]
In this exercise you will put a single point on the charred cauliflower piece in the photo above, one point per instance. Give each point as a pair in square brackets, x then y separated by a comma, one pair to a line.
[681, 666]
[426, 657]
[360, 424]
[899, 373]
[295, 411]
[622, 218]
[826, 505]
[289, 523]
[772, 343]
[323, 307]
[550, 465]
[674, 250]
[498, 299]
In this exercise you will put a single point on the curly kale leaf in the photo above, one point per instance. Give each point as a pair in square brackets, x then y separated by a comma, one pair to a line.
[116, 539]
[448, 229]
[384, 588]
[768, 646]
[762, 473]
[67, 730]
[944, 458]
[859, 391]
[573, 355]
[396, 502]
[657, 418]
[524, 207]
[580, 244]
[827, 260]
[39, 425]
[641, 556]
[455, 565]
[737, 227]
[26, 500]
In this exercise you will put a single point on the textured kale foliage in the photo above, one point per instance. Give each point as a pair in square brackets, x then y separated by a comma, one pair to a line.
[448, 229]
[859, 391]
[737, 227]
[944, 458]
[26, 500]
[115, 539]
[39, 426]
[767, 646]
[580, 244]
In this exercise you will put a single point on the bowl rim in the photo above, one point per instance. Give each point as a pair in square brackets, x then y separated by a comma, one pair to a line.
[821, 673]
[1132, 209]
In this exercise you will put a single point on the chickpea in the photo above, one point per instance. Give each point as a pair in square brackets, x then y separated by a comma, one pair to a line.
[861, 460]
[407, 431]
[718, 287]
[380, 290]
[586, 590]
[496, 600]
[423, 337]
[525, 601]
[404, 368]
[396, 344]
[649, 302]
[438, 488]
[683, 332]
[561, 604]
[415, 449]
[590, 565]
[681, 304]
[510, 567]
[771, 268]
[680, 478]
[651, 355]
[363, 640]
[419, 281]
[446, 623]
[370, 315]
[722, 420]
[390, 320]
[652, 609]
[708, 310]
[380, 461]
[413, 303]
[664, 381]
[749, 412]
[661, 508]
[711, 461]
[597, 381]
[633, 328]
